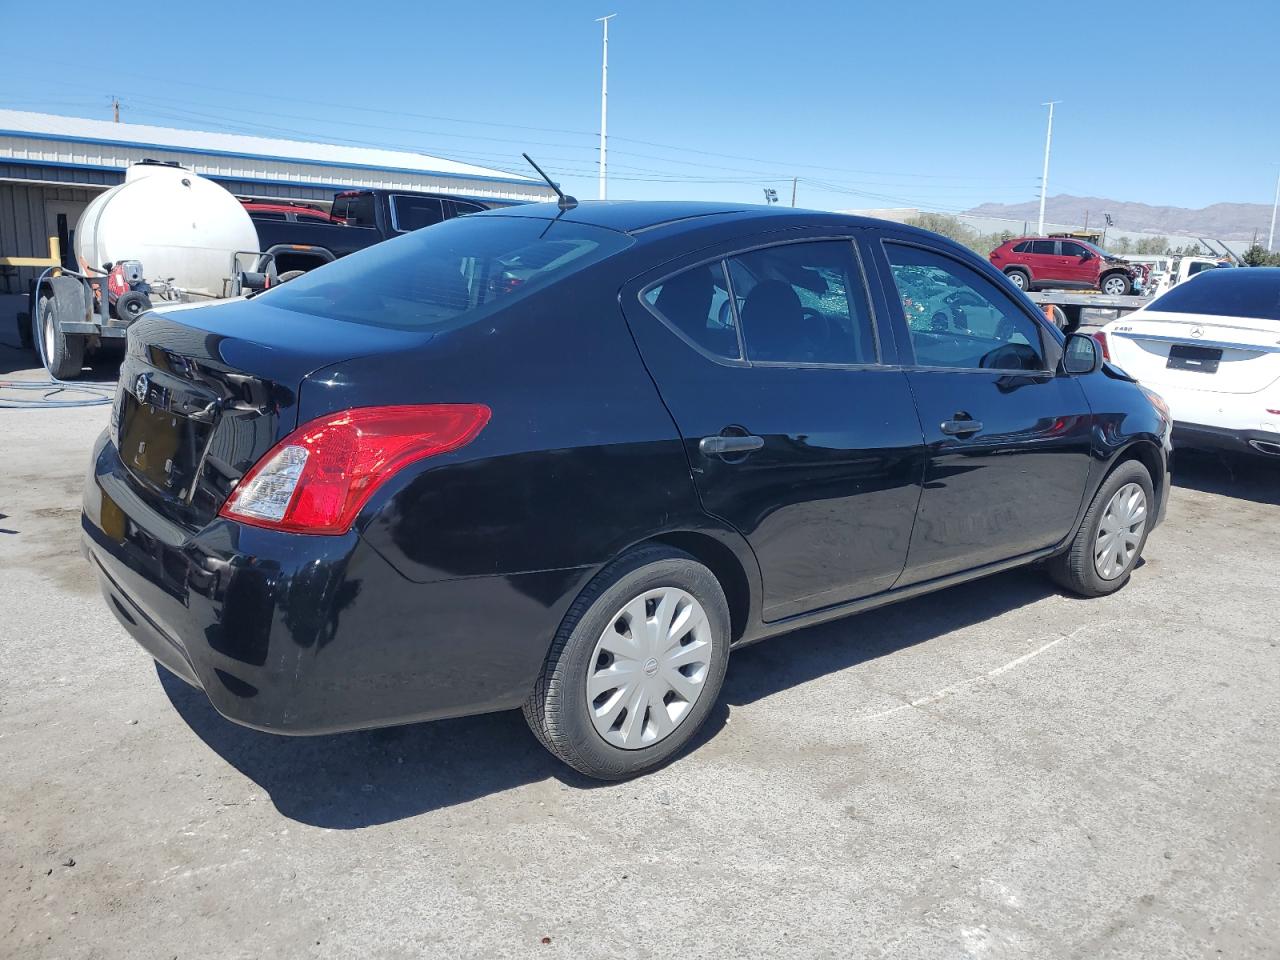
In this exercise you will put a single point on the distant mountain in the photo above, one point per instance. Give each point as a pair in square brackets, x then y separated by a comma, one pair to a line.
[1221, 221]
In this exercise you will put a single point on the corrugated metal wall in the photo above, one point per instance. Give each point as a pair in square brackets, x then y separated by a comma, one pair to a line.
[24, 229]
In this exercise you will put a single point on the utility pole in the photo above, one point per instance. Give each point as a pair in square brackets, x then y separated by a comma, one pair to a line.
[115, 108]
[1044, 179]
[604, 107]
[1271, 237]
[794, 181]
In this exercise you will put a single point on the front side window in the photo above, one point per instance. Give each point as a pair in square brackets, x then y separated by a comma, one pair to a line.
[440, 279]
[695, 303]
[957, 317]
[803, 303]
[414, 213]
[1070, 249]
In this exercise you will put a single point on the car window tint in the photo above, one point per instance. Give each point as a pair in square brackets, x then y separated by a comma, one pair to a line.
[313, 218]
[358, 210]
[695, 303]
[461, 209]
[803, 303]
[1070, 249]
[1023, 247]
[414, 213]
[959, 318]
[1042, 246]
[1235, 292]
[453, 274]
[266, 215]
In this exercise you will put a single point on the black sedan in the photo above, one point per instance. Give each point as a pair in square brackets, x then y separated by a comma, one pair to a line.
[567, 460]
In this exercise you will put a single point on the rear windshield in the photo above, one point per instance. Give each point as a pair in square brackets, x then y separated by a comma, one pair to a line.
[1239, 292]
[447, 275]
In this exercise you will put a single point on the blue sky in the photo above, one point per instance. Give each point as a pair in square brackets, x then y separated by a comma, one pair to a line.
[870, 104]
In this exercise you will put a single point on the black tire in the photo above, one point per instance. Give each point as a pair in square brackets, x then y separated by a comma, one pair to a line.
[63, 352]
[1057, 316]
[557, 711]
[24, 331]
[289, 275]
[1075, 570]
[131, 305]
[1019, 278]
[1123, 288]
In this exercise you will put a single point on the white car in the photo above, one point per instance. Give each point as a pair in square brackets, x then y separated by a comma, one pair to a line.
[1211, 348]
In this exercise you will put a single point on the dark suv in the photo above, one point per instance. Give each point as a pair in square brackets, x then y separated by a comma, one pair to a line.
[566, 460]
[1037, 263]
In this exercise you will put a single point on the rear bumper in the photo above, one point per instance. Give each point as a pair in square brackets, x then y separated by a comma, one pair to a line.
[1204, 437]
[299, 635]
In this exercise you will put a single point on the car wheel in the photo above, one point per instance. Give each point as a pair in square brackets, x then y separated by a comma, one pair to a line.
[635, 667]
[1116, 285]
[63, 352]
[1109, 542]
[1019, 279]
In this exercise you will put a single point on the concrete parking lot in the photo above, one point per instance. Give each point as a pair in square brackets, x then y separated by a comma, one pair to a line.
[994, 771]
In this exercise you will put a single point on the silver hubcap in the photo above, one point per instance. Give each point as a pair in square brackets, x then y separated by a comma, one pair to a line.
[48, 335]
[1017, 280]
[1120, 531]
[649, 667]
[1113, 286]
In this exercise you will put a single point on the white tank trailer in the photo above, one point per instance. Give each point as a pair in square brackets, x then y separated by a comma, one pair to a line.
[184, 229]
[168, 235]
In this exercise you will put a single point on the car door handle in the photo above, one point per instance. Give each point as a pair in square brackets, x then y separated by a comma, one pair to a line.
[961, 426]
[721, 445]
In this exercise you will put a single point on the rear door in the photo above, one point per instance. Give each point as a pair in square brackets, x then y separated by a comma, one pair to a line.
[1043, 260]
[1008, 439]
[799, 428]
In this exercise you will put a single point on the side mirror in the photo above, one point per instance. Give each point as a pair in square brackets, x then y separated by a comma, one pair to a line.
[1087, 255]
[1082, 354]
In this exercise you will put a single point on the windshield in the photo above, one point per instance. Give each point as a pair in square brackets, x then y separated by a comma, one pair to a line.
[447, 275]
[1253, 293]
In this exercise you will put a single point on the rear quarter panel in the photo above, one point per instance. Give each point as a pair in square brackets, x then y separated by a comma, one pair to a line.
[579, 459]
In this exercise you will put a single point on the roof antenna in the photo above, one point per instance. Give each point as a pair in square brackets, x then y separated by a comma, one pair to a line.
[566, 202]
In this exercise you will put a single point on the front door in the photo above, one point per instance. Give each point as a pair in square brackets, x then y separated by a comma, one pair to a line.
[1077, 264]
[1008, 438]
[798, 433]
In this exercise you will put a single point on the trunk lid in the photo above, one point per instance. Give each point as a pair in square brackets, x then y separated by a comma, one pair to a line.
[1197, 351]
[206, 390]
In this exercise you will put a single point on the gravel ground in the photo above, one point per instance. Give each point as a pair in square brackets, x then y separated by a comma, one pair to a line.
[994, 771]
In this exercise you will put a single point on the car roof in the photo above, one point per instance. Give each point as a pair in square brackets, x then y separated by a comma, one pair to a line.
[640, 216]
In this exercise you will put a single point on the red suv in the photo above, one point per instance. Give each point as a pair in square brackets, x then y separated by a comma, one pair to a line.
[1035, 263]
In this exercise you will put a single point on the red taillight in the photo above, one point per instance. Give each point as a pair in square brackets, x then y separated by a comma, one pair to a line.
[317, 479]
[1101, 338]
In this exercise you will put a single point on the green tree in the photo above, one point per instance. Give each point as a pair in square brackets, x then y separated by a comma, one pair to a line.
[1257, 256]
[1123, 245]
[1151, 246]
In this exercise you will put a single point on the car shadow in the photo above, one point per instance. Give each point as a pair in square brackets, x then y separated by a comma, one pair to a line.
[361, 779]
[1245, 477]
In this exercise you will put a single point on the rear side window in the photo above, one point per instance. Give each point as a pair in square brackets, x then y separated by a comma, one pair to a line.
[440, 279]
[696, 305]
[1235, 292]
[803, 303]
[358, 210]
[414, 213]
[1042, 247]
[266, 215]
[1023, 247]
[461, 209]
[957, 317]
